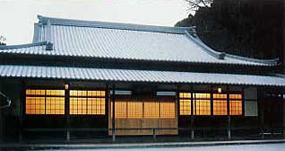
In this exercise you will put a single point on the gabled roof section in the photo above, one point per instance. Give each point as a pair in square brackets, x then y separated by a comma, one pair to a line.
[128, 41]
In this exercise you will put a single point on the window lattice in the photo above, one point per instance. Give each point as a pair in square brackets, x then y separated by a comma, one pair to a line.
[86, 102]
[40, 101]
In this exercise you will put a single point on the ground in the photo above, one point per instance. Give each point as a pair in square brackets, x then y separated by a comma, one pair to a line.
[260, 147]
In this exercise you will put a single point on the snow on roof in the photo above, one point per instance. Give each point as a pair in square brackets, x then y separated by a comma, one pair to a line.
[126, 41]
[125, 75]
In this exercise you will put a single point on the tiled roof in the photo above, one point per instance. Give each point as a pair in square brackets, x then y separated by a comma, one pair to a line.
[126, 41]
[99, 74]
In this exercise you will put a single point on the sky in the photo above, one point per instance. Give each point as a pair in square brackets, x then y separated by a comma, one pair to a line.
[17, 17]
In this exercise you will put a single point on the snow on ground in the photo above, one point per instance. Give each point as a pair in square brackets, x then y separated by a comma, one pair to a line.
[260, 147]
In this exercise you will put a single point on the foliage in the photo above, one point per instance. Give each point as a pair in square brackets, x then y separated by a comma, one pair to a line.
[2, 40]
[194, 5]
[248, 28]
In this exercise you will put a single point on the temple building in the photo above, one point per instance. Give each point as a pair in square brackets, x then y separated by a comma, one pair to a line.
[89, 79]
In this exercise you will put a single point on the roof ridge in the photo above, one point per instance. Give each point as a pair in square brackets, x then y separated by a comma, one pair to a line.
[5, 47]
[112, 25]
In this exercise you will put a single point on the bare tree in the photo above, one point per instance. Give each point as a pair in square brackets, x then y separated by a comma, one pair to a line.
[196, 4]
[2, 40]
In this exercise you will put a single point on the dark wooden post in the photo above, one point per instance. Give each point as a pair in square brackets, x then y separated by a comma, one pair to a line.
[67, 113]
[192, 115]
[1, 135]
[113, 119]
[177, 107]
[229, 116]
[22, 101]
[261, 112]
[107, 103]
[283, 96]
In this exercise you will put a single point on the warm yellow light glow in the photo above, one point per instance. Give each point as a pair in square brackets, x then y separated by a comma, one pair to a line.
[185, 107]
[143, 109]
[220, 107]
[202, 107]
[235, 107]
[85, 102]
[151, 109]
[44, 101]
[219, 90]
[167, 109]
[66, 86]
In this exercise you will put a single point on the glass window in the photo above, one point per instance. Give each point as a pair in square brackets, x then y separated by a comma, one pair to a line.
[184, 103]
[40, 101]
[235, 104]
[151, 109]
[87, 102]
[220, 105]
[202, 104]
[135, 109]
[167, 109]
[202, 107]
[143, 109]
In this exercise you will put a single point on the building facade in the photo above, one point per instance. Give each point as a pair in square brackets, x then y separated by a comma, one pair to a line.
[95, 79]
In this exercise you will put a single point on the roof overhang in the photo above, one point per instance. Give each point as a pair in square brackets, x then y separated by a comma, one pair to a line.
[125, 75]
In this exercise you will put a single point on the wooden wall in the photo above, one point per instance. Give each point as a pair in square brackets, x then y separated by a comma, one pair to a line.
[125, 123]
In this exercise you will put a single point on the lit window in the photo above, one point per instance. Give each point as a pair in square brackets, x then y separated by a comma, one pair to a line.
[202, 104]
[167, 109]
[220, 105]
[151, 109]
[184, 103]
[121, 109]
[235, 104]
[83, 102]
[185, 107]
[45, 101]
[185, 95]
[143, 109]
[202, 107]
[135, 109]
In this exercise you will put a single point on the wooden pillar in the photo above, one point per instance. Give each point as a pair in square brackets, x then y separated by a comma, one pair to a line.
[1, 134]
[192, 116]
[67, 113]
[283, 96]
[261, 112]
[113, 114]
[177, 107]
[22, 110]
[107, 103]
[228, 116]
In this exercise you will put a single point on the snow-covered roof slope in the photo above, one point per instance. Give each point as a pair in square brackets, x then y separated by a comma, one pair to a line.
[127, 41]
[124, 75]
